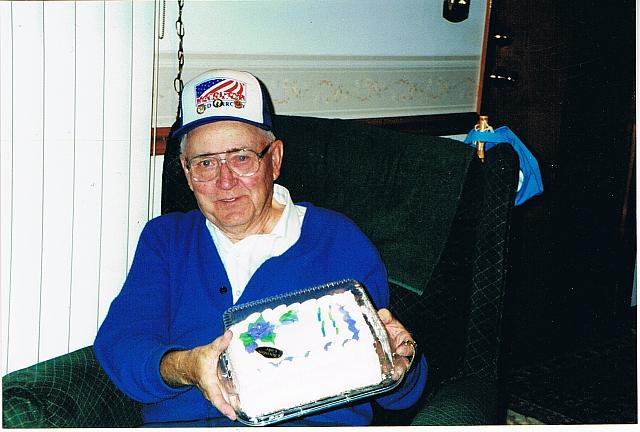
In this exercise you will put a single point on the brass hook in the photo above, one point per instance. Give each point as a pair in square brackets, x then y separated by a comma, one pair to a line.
[482, 126]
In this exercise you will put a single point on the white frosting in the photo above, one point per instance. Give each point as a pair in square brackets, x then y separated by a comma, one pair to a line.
[327, 349]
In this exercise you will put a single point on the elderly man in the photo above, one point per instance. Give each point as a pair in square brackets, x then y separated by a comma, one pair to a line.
[163, 335]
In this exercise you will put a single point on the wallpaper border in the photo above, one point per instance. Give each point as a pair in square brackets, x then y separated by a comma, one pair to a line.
[341, 87]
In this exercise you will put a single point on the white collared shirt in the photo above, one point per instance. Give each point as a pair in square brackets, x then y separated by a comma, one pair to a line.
[242, 259]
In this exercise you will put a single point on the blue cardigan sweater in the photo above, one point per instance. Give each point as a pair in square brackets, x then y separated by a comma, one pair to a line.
[177, 290]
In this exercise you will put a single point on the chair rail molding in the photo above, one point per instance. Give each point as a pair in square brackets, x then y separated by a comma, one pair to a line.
[341, 86]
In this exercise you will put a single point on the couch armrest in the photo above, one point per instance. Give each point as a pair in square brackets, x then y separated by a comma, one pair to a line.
[67, 391]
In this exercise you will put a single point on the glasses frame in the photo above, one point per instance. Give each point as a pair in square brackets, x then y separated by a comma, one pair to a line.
[260, 156]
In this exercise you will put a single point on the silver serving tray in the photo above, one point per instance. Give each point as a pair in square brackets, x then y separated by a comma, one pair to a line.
[238, 313]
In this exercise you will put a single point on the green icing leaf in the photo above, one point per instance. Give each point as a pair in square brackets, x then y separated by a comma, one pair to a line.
[269, 337]
[246, 339]
[289, 317]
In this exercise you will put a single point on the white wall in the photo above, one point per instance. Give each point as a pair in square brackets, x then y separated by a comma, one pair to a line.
[326, 28]
[333, 58]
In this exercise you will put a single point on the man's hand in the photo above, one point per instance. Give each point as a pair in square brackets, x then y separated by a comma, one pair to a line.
[402, 344]
[199, 367]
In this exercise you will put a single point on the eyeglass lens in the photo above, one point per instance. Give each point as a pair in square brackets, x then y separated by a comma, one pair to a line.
[241, 162]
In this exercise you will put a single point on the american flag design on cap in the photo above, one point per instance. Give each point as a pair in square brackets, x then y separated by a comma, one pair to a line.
[219, 92]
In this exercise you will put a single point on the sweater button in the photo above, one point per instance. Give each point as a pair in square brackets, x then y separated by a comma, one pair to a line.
[223, 290]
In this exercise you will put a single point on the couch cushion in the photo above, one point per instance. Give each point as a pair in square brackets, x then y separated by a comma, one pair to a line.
[67, 391]
[466, 402]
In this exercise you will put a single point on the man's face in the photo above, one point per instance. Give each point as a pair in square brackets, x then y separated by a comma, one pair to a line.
[239, 206]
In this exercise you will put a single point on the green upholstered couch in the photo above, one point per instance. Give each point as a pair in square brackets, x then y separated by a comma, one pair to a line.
[440, 219]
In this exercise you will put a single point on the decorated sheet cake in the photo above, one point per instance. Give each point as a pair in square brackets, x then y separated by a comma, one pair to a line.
[304, 351]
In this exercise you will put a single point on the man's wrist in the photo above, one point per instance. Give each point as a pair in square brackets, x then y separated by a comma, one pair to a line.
[174, 369]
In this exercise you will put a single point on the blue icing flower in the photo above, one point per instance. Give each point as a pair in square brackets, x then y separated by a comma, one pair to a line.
[261, 329]
[258, 330]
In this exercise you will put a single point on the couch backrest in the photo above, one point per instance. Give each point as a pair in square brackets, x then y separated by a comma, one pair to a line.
[402, 190]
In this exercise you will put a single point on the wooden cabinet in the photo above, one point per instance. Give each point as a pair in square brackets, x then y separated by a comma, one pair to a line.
[571, 101]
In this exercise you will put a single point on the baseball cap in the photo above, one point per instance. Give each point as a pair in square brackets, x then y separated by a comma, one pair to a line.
[223, 94]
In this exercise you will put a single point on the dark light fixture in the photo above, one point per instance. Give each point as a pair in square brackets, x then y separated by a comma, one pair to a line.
[455, 10]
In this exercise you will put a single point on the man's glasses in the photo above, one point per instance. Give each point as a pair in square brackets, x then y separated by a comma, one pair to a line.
[242, 162]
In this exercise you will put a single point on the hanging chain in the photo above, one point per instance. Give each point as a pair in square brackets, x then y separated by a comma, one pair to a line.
[164, 14]
[178, 85]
